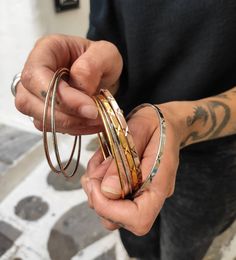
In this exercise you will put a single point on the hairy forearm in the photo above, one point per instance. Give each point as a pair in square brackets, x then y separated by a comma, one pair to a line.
[204, 119]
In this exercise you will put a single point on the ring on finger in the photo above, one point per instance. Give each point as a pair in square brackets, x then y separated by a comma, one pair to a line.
[14, 83]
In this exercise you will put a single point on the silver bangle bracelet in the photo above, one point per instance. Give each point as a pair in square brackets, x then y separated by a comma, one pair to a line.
[161, 146]
[115, 140]
[51, 94]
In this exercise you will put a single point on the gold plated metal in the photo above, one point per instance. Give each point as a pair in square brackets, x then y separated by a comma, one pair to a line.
[131, 174]
[114, 151]
[119, 143]
[115, 141]
[137, 175]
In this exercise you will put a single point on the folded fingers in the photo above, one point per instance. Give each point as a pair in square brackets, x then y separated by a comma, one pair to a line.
[30, 105]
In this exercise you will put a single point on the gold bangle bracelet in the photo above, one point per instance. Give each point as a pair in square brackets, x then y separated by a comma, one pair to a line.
[123, 142]
[129, 139]
[106, 151]
[116, 139]
[115, 152]
[118, 142]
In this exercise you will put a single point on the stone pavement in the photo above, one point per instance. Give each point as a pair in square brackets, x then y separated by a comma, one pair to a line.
[47, 217]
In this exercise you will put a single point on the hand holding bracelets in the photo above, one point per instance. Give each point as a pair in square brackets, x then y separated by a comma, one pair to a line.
[116, 140]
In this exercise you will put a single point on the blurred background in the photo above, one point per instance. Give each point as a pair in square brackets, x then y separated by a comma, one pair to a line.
[44, 216]
[21, 24]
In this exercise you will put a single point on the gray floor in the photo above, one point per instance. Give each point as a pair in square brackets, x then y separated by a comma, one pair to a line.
[45, 216]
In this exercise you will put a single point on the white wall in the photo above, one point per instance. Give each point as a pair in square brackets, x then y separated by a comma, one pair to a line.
[22, 22]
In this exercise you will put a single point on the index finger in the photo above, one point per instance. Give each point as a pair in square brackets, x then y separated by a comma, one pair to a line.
[90, 64]
[48, 55]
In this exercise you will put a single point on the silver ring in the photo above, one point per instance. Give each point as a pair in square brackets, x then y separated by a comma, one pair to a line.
[14, 83]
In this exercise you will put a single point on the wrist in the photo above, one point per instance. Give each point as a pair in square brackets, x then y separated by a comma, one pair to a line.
[177, 113]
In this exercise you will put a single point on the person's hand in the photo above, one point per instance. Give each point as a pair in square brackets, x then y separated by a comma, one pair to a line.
[93, 65]
[101, 182]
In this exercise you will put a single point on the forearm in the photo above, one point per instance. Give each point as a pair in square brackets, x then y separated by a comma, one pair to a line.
[204, 119]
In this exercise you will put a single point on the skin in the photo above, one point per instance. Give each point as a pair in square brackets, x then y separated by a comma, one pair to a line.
[95, 65]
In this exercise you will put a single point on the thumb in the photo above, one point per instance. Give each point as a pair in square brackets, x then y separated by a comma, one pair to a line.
[111, 185]
[98, 67]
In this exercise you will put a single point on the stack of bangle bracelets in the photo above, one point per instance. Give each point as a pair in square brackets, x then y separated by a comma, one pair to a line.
[115, 140]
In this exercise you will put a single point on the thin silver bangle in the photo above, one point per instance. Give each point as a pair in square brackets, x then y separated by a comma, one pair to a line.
[161, 146]
[52, 90]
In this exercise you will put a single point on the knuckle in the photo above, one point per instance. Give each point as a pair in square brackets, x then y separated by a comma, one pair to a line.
[21, 103]
[26, 76]
[142, 229]
[38, 125]
[108, 45]
[66, 124]
[48, 39]
[30, 76]
[113, 50]
[108, 224]
[141, 226]
[54, 37]
[98, 209]
[90, 204]
[89, 164]
[85, 68]
[40, 40]
[109, 227]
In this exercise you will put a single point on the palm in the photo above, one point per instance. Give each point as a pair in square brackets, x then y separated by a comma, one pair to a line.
[145, 131]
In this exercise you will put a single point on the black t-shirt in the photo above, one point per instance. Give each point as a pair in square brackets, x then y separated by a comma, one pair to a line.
[172, 49]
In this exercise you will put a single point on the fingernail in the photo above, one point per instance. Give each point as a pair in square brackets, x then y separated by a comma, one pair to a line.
[89, 111]
[111, 185]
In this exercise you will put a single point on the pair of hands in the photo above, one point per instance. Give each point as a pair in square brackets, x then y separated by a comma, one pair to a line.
[95, 65]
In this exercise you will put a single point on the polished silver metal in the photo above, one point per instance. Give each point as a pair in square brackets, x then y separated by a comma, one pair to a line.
[14, 83]
[51, 97]
[160, 150]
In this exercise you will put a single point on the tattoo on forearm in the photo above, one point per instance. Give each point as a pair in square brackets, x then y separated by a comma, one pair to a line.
[199, 114]
[205, 115]
[214, 105]
[224, 96]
